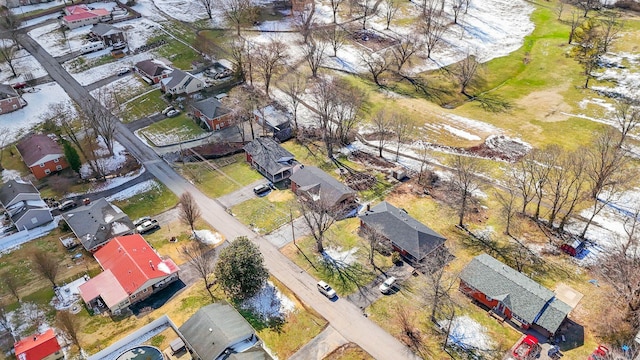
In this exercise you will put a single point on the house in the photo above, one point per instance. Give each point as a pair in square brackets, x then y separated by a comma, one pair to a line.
[315, 184]
[23, 204]
[270, 159]
[109, 35]
[98, 222]
[42, 154]
[152, 70]
[9, 99]
[180, 82]
[217, 331]
[43, 346]
[513, 295]
[411, 238]
[274, 121]
[80, 15]
[211, 112]
[132, 271]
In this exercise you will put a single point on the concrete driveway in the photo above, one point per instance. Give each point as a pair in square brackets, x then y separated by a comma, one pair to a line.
[283, 235]
[241, 195]
[368, 294]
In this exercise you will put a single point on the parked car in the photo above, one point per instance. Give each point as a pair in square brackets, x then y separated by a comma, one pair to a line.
[326, 290]
[167, 109]
[387, 285]
[123, 71]
[139, 221]
[526, 349]
[600, 353]
[173, 113]
[147, 226]
[261, 189]
[19, 85]
[66, 205]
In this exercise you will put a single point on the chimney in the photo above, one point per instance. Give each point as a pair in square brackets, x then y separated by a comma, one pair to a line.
[151, 265]
[368, 207]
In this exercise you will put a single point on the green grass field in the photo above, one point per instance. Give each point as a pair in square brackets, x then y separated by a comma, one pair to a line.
[148, 203]
[143, 105]
[173, 130]
[268, 213]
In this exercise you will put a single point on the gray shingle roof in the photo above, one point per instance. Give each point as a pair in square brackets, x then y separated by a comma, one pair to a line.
[7, 91]
[524, 297]
[98, 222]
[211, 108]
[403, 230]
[175, 78]
[13, 188]
[272, 157]
[214, 328]
[318, 183]
[104, 29]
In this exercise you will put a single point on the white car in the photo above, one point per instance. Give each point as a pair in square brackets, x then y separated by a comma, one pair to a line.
[387, 285]
[139, 221]
[326, 290]
[173, 113]
[167, 109]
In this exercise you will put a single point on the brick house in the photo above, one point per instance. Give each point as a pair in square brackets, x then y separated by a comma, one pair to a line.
[132, 271]
[211, 112]
[9, 99]
[42, 155]
[153, 70]
[512, 295]
[43, 346]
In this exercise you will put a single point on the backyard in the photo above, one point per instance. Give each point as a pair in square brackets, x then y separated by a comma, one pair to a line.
[172, 131]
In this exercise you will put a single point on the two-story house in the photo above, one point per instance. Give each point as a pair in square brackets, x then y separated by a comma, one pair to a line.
[42, 155]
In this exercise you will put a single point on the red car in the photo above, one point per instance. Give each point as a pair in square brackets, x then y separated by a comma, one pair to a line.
[19, 85]
[525, 348]
[600, 353]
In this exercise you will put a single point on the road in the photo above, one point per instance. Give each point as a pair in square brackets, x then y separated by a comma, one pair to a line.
[345, 317]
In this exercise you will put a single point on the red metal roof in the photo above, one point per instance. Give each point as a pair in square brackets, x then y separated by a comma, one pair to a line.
[75, 9]
[38, 346]
[106, 286]
[86, 15]
[133, 262]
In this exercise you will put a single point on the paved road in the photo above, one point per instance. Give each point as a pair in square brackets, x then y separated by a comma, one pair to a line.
[144, 122]
[345, 317]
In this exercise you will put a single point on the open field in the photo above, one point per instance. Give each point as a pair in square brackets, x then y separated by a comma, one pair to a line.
[265, 214]
[173, 130]
[144, 105]
[151, 202]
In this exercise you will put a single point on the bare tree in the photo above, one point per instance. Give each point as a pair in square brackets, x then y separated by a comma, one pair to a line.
[376, 241]
[523, 179]
[319, 216]
[465, 72]
[545, 161]
[433, 28]
[402, 127]
[11, 283]
[239, 53]
[270, 59]
[574, 22]
[335, 6]
[238, 12]
[8, 54]
[46, 265]
[368, 9]
[70, 325]
[465, 182]
[377, 64]
[294, 86]
[335, 36]
[589, 48]
[201, 257]
[507, 201]
[611, 27]
[586, 5]
[390, 9]
[627, 117]
[439, 281]
[100, 118]
[559, 9]
[347, 111]
[314, 55]
[208, 6]
[410, 334]
[382, 123]
[304, 20]
[566, 183]
[189, 210]
[405, 49]
[10, 22]
[458, 7]
[325, 98]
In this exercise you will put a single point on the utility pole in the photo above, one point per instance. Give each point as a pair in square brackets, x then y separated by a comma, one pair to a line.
[293, 231]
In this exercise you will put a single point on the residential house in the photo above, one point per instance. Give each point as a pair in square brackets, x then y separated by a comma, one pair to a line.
[43, 346]
[23, 205]
[80, 15]
[152, 70]
[15, 3]
[270, 159]
[316, 185]
[42, 154]
[411, 238]
[132, 271]
[9, 99]
[180, 82]
[217, 331]
[274, 121]
[211, 112]
[513, 295]
[98, 222]
[109, 35]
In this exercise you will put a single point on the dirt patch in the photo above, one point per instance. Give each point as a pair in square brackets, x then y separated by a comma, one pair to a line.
[547, 105]
[350, 350]
[217, 150]
[501, 147]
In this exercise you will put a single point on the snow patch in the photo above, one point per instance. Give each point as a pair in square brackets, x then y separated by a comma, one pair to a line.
[134, 190]
[467, 333]
[8, 174]
[207, 237]
[336, 254]
[269, 303]
[460, 133]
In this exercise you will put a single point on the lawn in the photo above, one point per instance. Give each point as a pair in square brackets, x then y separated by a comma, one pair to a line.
[238, 174]
[144, 105]
[180, 55]
[159, 239]
[173, 130]
[349, 351]
[151, 202]
[266, 214]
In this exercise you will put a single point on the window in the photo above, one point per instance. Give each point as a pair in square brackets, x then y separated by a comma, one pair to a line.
[47, 171]
[56, 160]
[58, 167]
[145, 290]
[34, 220]
[41, 164]
[15, 106]
[133, 296]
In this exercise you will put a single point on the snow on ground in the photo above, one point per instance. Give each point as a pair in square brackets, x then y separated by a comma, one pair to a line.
[50, 37]
[346, 257]
[9, 242]
[208, 237]
[624, 72]
[348, 59]
[269, 303]
[111, 183]
[107, 162]
[472, 124]
[98, 73]
[467, 333]
[460, 133]
[134, 190]
[187, 11]
[39, 103]
[127, 86]
[139, 31]
[24, 63]
[8, 174]
[23, 318]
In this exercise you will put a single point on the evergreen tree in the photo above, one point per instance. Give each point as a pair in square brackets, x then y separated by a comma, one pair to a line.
[240, 269]
[72, 156]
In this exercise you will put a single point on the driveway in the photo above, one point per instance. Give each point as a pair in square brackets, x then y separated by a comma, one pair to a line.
[321, 345]
[368, 294]
[240, 195]
[283, 235]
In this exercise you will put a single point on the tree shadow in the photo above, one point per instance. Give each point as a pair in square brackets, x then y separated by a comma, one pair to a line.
[493, 103]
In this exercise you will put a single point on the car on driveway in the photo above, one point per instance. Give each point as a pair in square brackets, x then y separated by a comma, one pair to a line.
[326, 290]
[173, 113]
[147, 226]
[138, 222]
[66, 205]
[261, 189]
[167, 109]
[387, 285]
[123, 71]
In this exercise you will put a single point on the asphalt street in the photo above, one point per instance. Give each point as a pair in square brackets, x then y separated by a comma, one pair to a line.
[345, 317]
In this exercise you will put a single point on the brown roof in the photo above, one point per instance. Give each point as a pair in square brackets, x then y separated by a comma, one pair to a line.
[35, 148]
[151, 67]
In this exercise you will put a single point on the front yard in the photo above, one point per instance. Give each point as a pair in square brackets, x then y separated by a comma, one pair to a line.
[266, 214]
[146, 104]
[173, 131]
